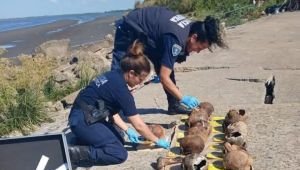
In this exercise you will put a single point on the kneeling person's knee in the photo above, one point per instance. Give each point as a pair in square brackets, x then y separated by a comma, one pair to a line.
[122, 156]
[113, 154]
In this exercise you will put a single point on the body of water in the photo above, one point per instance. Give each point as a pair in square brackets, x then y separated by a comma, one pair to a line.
[17, 37]
[19, 23]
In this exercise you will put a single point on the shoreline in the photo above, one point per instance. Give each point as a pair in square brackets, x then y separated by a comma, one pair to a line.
[25, 40]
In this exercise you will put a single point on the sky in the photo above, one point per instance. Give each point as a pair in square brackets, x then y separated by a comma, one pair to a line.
[26, 8]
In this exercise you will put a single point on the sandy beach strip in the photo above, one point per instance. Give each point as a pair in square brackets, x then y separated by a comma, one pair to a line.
[25, 40]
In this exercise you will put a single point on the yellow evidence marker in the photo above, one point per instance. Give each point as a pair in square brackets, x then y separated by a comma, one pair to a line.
[215, 124]
[217, 130]
[180, 135]
[216, 146]
[171, 154]
[219, 138]
[185, 117]
[218, 118]
[215, 155]
[213, 167]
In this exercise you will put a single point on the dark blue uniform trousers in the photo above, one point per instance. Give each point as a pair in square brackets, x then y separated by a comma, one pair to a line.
[123, 40]
[105, 143]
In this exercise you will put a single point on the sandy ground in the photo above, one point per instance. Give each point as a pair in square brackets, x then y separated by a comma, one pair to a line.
[269, 45]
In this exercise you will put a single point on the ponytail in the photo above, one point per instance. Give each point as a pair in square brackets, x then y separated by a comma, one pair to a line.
[135, 59]
[136, 49]
[209, 30]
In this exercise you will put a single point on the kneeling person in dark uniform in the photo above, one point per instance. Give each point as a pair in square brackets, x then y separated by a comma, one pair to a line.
[105, 97]
[168, 38]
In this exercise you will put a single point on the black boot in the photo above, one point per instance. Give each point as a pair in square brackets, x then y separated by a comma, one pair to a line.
[178, 108]
[80, 156]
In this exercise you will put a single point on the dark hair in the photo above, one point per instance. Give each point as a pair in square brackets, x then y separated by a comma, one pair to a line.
[135, 59]
[209, 30]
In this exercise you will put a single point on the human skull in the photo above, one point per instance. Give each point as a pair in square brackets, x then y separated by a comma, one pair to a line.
[236, 133]
[194, 162]
[237, 158]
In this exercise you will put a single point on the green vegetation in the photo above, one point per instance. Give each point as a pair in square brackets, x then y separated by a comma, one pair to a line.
[24, 113]
[54, 93]
[25, 88]
[233, 12]
[21, 101]
[86, 75]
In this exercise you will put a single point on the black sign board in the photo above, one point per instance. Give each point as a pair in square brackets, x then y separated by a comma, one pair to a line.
[45, 152]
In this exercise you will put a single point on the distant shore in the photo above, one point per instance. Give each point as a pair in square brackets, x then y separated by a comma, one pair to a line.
[27, 39]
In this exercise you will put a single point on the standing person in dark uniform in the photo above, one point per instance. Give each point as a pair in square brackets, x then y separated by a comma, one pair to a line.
[168, 38]
[105, 97]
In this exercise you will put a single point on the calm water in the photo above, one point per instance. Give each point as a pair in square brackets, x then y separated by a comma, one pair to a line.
[21, 44]
[18, 23]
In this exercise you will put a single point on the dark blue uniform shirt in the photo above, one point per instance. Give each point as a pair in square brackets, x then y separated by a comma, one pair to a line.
[112, 88]
[166, 32]
[167, 58]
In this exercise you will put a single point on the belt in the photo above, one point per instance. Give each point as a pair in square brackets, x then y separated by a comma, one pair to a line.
[93, 114]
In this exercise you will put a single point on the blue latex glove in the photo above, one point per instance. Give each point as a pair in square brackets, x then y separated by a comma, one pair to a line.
[163, 143]
[190, 101]
[133, 136]
[155, 79]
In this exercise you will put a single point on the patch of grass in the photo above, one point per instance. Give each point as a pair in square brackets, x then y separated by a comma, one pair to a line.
[86, 76]
[54, 93]
[24, 114]
[33, 72]
[21, 100]
[7, 97]
[233, 12]
[49, 88]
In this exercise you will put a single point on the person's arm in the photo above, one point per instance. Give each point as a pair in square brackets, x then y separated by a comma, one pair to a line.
[131, 133]
[119, 122]
[171, 50]
[142, 128]
[168, 84]
[189, 101]
[126, 101]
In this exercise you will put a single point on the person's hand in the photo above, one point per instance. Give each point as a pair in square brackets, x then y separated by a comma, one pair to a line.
[190, 101]
[163, 143]
[133, 136]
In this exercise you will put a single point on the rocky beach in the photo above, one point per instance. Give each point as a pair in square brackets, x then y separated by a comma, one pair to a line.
[24, 40]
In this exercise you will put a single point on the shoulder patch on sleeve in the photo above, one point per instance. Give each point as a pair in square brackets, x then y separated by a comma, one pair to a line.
[100, 80]
[176, 49]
